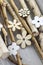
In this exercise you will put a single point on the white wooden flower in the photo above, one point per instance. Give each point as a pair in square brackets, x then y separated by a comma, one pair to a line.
[1, 26]
[23, 39]
[13, 49]
[38, 21]
[14, 25]
[24, 12]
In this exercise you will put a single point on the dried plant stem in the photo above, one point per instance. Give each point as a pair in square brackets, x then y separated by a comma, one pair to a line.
[4, 31]
[28, 18]
[26, 26]
[41, 40]
[4, 49]
[9, 8]
[4, 53]
[34, 6]
[11, 34]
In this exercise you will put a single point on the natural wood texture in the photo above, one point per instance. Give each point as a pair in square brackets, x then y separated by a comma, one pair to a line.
[4, 31]
[41, 40]
[4, 53]
[10, 9]
[34, 7]
[26, 26]
[41, 29]
[3, 8]
[6, 21]
[36, 11]
[28, 18]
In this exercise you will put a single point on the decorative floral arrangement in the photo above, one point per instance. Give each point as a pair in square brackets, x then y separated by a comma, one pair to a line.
[22, 22]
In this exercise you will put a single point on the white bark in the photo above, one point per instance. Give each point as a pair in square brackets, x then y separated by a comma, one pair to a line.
[33, 5]
[4, 53]
[41, 40]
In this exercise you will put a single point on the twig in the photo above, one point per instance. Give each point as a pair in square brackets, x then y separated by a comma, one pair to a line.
[4, 53]
[4, 31]
[41, 40]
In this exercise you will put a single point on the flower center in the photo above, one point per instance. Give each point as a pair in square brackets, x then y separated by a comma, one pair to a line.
[12, 48]
[38, 21]
[23, 38]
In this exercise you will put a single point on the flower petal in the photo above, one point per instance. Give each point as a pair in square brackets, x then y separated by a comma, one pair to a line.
[19, 37]
[10, 22]
[10, 26]
[37, 25]
[28, 37]
[24, 15]
[23, 45]
[18, 23]
[24, 33]
[33, 21]
[36, 18]
[21, 10]
[19, 42]
[20, 14]
[41, 23]
[13, 28]
[18, 27]
[26, 9]
[28, 42]
[41, 20]
[14, 21]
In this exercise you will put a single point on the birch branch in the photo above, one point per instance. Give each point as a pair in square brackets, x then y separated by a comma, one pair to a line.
[34, 6]
[26, 26]
[41, 40]
[4, 31]
[4, 53]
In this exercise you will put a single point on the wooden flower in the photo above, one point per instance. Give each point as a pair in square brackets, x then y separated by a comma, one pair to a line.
[23, 39]
[13, 49]
[38, 21]
[24, 12]
[14, 25]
